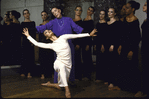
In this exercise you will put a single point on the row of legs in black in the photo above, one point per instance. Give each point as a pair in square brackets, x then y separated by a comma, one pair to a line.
[113, 68]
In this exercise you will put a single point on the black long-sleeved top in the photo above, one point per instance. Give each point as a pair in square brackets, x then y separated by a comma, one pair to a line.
[78, 40]
[114, 31]
[32, 31]
[132, 36]
[1, 28]
[88, 26]
[12, 34]
[145, 40]
[100, 39]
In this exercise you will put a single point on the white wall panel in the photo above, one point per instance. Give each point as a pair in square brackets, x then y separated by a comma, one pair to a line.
[85, 6]
[7, 4]
[35, 14]
[30, 3]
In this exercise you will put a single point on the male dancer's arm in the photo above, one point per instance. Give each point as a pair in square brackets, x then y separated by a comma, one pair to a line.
[38, 44]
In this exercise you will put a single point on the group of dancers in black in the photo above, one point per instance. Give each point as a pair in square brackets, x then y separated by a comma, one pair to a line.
[116, 47]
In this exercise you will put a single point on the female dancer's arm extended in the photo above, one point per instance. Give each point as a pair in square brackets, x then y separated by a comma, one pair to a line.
[38, 44]
[72, 36]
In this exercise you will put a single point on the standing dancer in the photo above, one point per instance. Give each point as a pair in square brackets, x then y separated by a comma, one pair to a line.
[46, 56]
[28, 57]
[78, 46]
[63, 63]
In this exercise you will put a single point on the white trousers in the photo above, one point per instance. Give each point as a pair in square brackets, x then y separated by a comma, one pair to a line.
[63, 73]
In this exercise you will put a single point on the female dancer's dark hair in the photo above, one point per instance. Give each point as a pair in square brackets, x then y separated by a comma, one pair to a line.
[16, 14]
[115, 10]
[134, 5]
[46, 13]
[25, 10]
[92, 8]
[78, 6]
[106, 14]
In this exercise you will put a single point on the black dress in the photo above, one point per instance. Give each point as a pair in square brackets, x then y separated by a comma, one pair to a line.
[88, 26]
[111, 65]
[100, 57]
[28, 59]
[78, 52]
[46, 57]
[1, 46]
[145, 54]
[12, 44]
[131, 78]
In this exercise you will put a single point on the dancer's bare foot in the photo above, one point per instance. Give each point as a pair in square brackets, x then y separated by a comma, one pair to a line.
[67, 92]
[42, 76]
[139, 94]
[49, 84]
[98, 81]
[29, 75]
[85, 79]
[22, 75]
[111, 85]
[114, 88]
[106, 83]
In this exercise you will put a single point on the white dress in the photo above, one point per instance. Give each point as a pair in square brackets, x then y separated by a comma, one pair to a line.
[63, 63]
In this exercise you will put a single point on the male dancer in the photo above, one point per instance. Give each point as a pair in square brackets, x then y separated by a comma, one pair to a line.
[63, 63]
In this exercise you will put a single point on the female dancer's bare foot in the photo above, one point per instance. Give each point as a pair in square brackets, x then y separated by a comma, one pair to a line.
[22, 75]
[49, 84]
[110, 87]
[42, 76]
[139, 94]
[67, 92]
[106, 83]
[98, 81]
[114, 88]
[29, 75]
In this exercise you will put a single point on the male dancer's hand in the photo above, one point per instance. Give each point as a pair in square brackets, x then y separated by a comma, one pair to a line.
[93, 32]
[25, 32]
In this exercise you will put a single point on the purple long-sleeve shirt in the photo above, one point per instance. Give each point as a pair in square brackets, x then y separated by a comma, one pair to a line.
[59, 28]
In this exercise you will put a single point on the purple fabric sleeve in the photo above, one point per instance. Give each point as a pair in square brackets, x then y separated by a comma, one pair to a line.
[42, 28]
[75, 27]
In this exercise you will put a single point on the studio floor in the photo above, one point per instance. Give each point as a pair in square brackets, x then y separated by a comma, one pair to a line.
[14, 86]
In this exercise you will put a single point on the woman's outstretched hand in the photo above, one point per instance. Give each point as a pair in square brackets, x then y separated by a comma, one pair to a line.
[25, 32]
[93, 32]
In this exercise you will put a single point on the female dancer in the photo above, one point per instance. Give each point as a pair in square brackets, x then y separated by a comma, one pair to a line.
[1, 43]
[88, 25]
[61, 25]
[113, 44]
[27, 56]
[123, 13]
[77, 43]
[15, 41]
[46, 56]
[6, 38]
[99, 46]
[62, 64]
[131, 74]
[145, 53]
